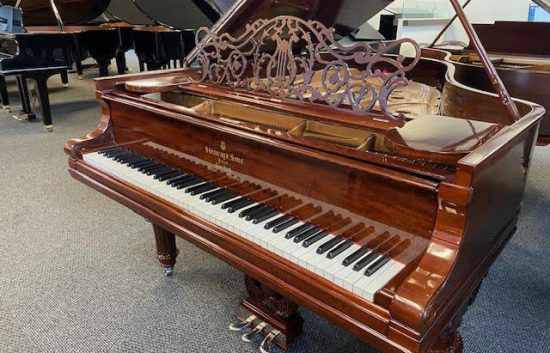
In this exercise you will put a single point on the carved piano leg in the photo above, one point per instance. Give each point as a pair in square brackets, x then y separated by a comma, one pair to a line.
[272, 315]
[449, 341]
[166, 248]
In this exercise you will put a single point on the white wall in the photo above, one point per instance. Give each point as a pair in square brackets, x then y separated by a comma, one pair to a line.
[478, 11]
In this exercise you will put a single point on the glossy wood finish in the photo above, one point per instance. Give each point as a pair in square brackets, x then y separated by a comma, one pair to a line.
[39, 12]
[166, 247]
[518, 42]
[441, 204]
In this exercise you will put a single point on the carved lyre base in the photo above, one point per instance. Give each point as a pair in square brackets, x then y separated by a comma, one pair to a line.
[448, 342]
[166, 248]
[278, 312]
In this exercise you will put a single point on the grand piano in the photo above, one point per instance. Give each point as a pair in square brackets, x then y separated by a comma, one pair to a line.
[372, 189]
[521, 56]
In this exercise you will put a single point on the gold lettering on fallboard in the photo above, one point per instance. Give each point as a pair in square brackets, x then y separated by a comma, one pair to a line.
[224, 158]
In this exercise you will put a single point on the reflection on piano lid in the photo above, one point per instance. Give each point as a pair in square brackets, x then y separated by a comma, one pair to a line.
[125, 11]
[39, 12]
[184, 15]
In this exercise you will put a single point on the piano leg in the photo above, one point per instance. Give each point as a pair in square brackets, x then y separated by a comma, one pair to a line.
[26, 112]
[120, 62]
[449, 341]
[279, 313]
[4, 93]
[64, 78]
[42, 87]
[166, 248]
[103, 66]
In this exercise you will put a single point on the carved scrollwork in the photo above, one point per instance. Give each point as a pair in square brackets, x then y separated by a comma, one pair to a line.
[269, 299]
[288, 57]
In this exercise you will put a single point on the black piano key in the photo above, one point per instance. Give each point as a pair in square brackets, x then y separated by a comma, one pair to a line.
[250, 210]
[115, 153]
[199, 189]
[285, 225]
[355, 256]
[180, 179]
[265, 216]
[315, 238]
[176, 176]
[277, 221]
[323, 248]
[143, 164]
[366, 260]
[188, 183]
[224, 197]
[122, 156]
[253, 215]
[212, 194]
[239, 205]
[134, 159]
[233, 202]
[308, 233]
[169, 176]
[298, 230]
[161, 171]
[138, 161]
[376, 265]
[257, 214]
[110, 150]
[339, 249]
[158, 175]
[145, 170]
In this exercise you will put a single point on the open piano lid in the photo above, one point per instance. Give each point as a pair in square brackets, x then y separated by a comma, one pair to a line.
[344, 15]
[40, 13]
[350, 14]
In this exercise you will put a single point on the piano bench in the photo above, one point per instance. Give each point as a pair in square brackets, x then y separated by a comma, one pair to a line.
[40, 76]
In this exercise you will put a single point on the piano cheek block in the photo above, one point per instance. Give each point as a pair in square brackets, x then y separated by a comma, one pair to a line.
[318, 199]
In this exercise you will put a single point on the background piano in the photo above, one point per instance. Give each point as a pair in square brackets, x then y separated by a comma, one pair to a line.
[522, 58]
[375, 220]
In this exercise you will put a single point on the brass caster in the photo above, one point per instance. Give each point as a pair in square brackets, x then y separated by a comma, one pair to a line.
[80, 77]
[168, 271]
[49, 128]
[7, 108]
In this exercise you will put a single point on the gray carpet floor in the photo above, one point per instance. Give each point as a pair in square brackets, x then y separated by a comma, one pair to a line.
[78, 272]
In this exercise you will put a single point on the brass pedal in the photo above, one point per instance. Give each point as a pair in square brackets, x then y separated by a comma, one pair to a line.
[265, 346]
[243, 324]
[249, 336]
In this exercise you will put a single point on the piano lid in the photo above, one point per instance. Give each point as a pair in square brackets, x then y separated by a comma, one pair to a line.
[184, 14]
[72, 12]
[344, 15]
[125, 11]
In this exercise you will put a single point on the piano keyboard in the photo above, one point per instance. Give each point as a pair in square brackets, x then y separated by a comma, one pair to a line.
[353, 256]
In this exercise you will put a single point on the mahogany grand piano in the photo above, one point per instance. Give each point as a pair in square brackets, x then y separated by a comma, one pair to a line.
[372, 189]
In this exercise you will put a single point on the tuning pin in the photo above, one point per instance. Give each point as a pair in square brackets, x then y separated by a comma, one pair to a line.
[243, 324]
[247, 337]
[265, 346]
